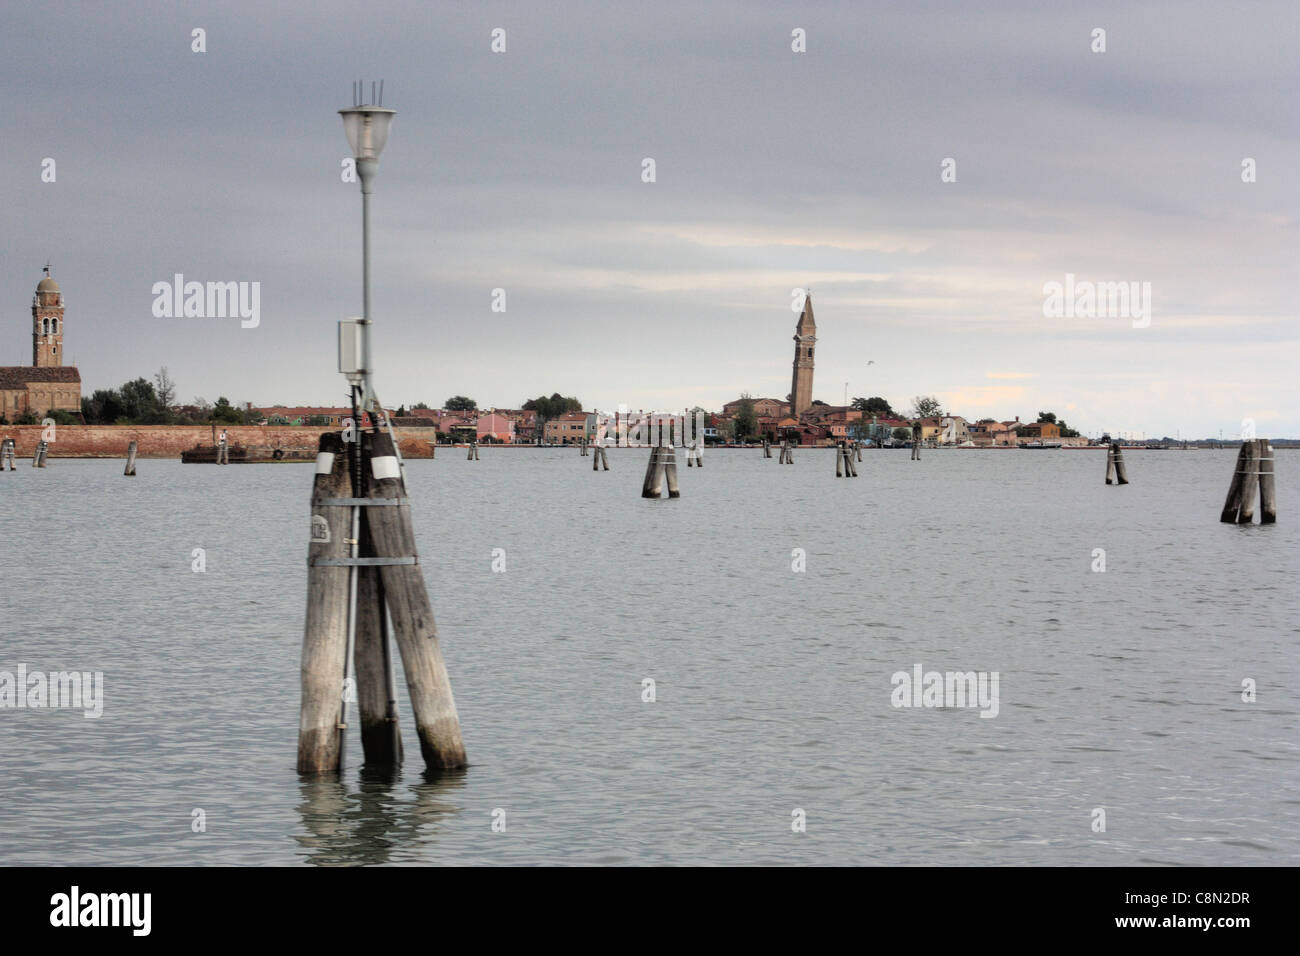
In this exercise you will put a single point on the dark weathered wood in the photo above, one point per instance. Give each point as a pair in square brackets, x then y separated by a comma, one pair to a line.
[1267, 493]
[600, 457]
[1121, 471]
[1110, 464]
[652, 486]
[130, 460]
[324, 643]
[1249, 482]
[1245, 478]
[428, 684]
[381, 739]
[668, 457]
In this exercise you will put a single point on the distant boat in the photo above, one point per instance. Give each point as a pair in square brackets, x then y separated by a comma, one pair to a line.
[1039, 445]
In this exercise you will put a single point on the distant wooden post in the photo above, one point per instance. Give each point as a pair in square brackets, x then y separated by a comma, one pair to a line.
[668, 456]
[324, 643]
[767, 448]
[428, 685]
[472, 452]
[130, 460]
[1115, 463]
[1254, 470]
[7, 453]
[652, 486]
[844, 467]
[601, 457]
[857, 446]
[582, 447]
[38, 456]
[787, 453]
[1267, 493]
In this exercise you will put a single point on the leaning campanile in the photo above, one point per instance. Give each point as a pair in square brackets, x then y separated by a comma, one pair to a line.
[805, 338]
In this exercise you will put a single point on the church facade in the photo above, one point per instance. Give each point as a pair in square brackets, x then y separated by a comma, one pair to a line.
[47, 383]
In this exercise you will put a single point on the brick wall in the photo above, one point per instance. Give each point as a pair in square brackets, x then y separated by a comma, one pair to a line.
[168, 441]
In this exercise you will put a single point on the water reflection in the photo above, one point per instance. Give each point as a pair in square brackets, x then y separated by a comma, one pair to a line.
[382, 816]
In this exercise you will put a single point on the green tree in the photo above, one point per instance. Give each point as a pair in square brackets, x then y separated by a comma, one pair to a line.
[746, 422]
[874, 406]
[140, 403]
[459, 403]
[553, 407]
[223, 413]
[902, 434]
[925, 406]
[1049, 417]
[62, 416]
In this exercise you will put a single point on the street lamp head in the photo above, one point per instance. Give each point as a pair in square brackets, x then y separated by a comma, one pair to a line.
[367, 130]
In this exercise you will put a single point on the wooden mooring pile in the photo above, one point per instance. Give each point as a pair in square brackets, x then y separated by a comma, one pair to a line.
[1116, 473]
[1254, 471]
[662, 466]
[363, 571]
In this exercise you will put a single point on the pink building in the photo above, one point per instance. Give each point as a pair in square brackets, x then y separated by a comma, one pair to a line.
[496, 428]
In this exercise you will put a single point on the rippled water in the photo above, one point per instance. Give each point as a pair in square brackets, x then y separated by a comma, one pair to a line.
[1119, 690]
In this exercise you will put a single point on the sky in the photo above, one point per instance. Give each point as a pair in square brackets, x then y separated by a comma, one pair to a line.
[775, 170]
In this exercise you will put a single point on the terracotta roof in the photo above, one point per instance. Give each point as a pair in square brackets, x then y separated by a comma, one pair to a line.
[17, 376]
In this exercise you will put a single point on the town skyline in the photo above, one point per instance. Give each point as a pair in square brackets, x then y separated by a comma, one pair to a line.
[929, 233]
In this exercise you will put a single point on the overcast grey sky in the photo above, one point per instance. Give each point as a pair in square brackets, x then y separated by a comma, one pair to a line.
[775, 170]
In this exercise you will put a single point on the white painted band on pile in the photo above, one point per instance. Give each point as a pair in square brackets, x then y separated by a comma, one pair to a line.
[324, 462]
[385, 466]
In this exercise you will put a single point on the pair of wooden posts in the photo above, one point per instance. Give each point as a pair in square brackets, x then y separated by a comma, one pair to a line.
[787, 454]
[7, 454]
[662, 465]
[844, 467]
[130, 460]
[601, 456]
[473, 452]
[363, 571]
[1116, 473]
[694, 456]
[582, 448]
[767, 449]
[38, 456]
[1254, 470]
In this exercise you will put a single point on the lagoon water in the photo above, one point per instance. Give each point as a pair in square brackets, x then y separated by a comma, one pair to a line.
[1119, 690]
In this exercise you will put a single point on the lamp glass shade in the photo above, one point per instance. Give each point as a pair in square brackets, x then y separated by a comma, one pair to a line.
[367, 129]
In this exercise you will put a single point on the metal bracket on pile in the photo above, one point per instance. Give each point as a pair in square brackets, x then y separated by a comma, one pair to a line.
[359, 502]
[359, 562]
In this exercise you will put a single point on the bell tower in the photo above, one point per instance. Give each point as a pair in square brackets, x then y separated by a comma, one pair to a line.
[805, 338]
[47, 323]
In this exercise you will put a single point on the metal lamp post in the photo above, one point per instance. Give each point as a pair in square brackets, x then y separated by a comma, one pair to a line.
[366, 127]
